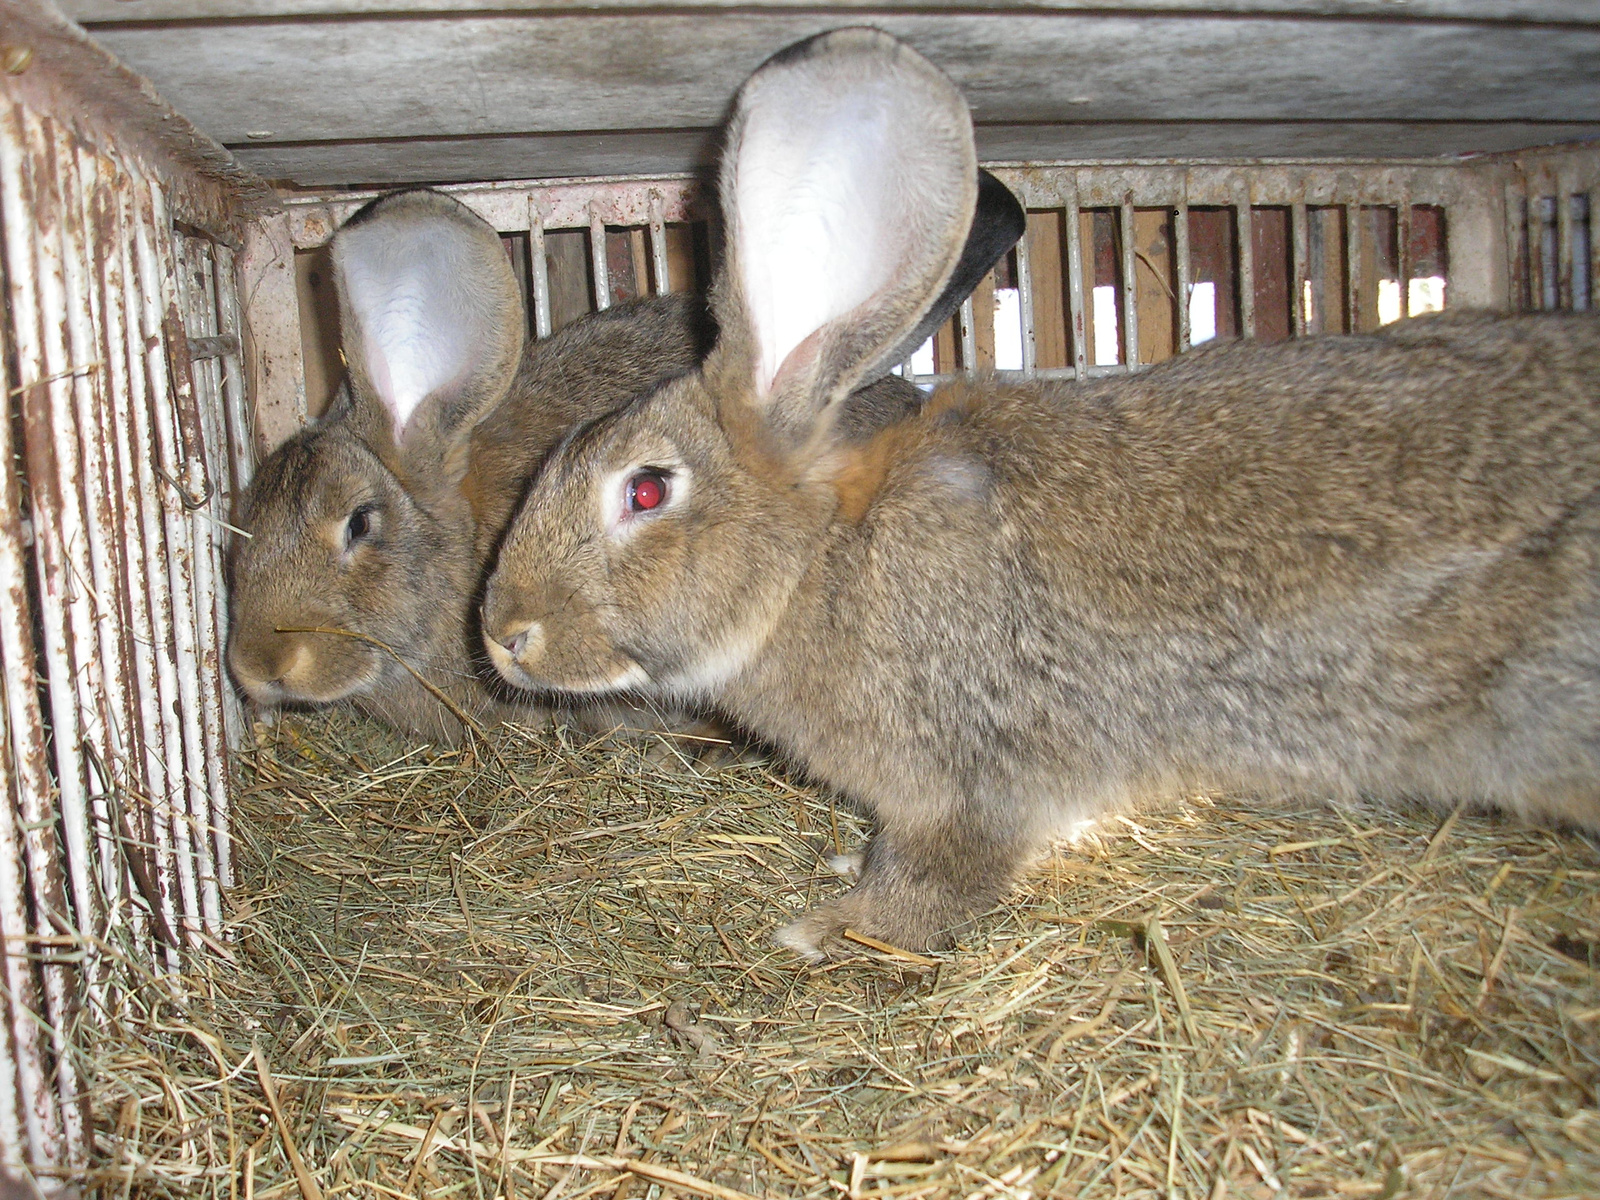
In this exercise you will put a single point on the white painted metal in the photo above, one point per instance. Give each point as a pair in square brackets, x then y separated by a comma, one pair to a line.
[1128, 293]
[658, 244]
[115, 830]
[597, 256]
[541, 268]
[1030, 337]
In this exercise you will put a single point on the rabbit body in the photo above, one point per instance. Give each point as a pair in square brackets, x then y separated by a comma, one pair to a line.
[1331, 566]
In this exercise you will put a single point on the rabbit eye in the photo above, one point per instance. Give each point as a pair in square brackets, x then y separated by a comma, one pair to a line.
[359, 525]
[646, 490]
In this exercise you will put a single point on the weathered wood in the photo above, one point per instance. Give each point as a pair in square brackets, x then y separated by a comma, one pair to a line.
[1047, 258]
[654, 152]
[319, 328]
[1574, 11]
[1154, 292]
[272, 353]
[1269, 258]
[57, 69]
[566, 253]
[636, 90]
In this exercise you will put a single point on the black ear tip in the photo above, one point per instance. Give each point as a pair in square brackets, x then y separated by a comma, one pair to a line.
[999, 207]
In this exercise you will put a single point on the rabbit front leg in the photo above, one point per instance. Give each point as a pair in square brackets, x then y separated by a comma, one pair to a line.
[919, 883]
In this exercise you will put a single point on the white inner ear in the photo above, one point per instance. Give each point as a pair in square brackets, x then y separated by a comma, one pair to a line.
[822, 198]
[422, 327]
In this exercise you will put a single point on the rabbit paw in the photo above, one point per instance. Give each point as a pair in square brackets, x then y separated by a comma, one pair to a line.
[819, 934]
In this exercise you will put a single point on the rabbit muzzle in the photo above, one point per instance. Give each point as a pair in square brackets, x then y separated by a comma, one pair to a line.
[546, 647]
[279, 667]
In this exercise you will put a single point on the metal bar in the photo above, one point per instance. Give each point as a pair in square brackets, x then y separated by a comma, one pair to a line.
[155, 277]
[209, 304]
[1402, 250]
[1247, 273]
[1549, 253]
[1563, 206]
[565, 204]
[1592, 199]
[29, 1110]
[131, 499]
[1517, 250]
[1030, 337]
[241, 431]
[969, 338]
[1075, 317]
[58, 528]
[152, 603]
[1129, 290]
[597, 255]
[1299, 266]
[1180, 228]
[541, 269]
[658, 245]
[193, 284]
[1352, 259]
[102, 643]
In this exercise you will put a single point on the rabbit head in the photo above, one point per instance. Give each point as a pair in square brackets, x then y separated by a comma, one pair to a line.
[1358, 565]
[360, 546]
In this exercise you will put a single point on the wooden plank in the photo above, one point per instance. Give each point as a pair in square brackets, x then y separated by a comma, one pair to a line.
[983, 302]
[946, 361]
[682, 272]
[1211, 255]
[272, 349]
[487, 75]
[566, 253]
[1047, 259]
[1270, 259]
[90, 12]
[1154, 291]
[319, 328]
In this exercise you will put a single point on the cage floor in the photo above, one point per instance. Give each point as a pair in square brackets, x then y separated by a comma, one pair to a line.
[542, 969]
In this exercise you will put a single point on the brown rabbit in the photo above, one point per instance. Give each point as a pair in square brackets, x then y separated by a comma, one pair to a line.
[1335, 566]
[378, 520]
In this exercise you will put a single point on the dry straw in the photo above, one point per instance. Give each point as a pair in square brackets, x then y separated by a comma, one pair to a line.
[540, 968]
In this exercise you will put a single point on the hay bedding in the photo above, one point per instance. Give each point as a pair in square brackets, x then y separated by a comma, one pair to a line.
[540, 969]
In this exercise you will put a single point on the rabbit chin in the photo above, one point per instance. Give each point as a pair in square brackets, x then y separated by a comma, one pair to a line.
[275, 693]
[628, 675]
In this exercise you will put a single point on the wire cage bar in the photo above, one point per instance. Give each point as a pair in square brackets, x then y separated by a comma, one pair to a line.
[1234, 252]
[118, 463]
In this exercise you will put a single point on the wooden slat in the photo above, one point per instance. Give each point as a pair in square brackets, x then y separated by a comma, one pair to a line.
[266, 87]
[1047, 264]
[116, 11]
[1155, 290]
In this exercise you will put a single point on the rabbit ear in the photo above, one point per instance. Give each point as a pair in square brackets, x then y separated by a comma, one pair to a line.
[848, 189]
[997, 224]
[433, 321]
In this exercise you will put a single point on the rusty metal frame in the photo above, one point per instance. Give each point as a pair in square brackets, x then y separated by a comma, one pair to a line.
[125, 383]
[1477, 198]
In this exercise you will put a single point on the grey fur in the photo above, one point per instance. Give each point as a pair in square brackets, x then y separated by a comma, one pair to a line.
[1329, 567]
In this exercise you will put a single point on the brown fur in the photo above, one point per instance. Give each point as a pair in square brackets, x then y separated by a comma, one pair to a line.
[1334, 566]
[440, 502]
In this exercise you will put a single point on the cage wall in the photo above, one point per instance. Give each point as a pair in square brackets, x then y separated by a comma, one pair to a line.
[1122, 265]
[119, 457]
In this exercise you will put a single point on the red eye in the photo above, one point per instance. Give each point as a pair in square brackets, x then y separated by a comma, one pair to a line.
[646, 490]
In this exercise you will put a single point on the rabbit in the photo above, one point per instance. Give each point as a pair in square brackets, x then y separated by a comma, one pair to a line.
[1334, 566]
[379, 520]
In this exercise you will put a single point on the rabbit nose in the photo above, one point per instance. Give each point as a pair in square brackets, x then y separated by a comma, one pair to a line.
[517, 639]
